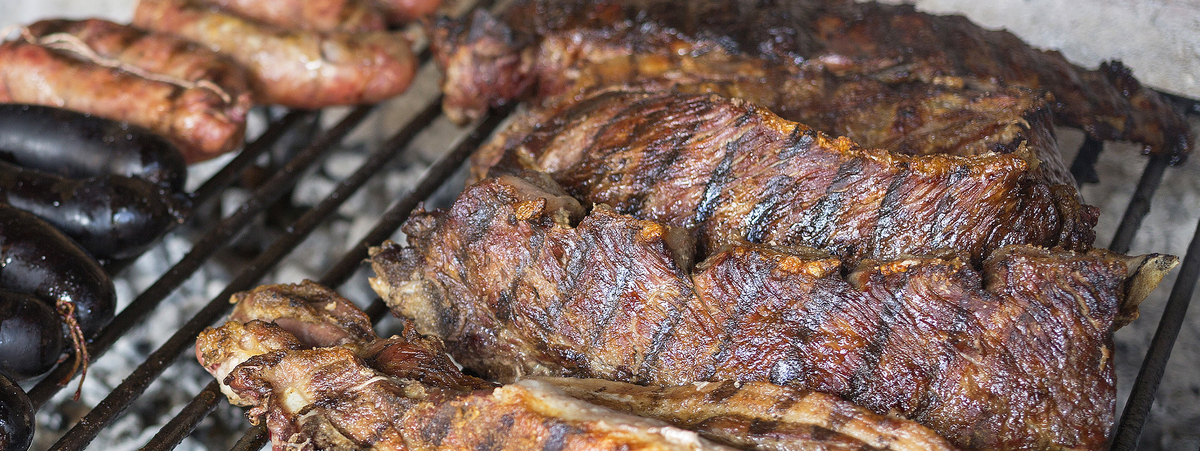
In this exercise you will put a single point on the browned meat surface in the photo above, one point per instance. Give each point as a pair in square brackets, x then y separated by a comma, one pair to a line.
[757, 415]
[319, 317]
[353, 16]
[195, 97]
[289, 67]
[811, 61]
[730, 171]
[280, 353]
[1016, 355]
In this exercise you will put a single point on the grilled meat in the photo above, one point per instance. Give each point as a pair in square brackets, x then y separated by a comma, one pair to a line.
[1015, 356]
[757, 415]
[195, 97]
[319, 317]
[730, 171]
[288, 67]
[289, 349]
[910, 118]
[804, 59]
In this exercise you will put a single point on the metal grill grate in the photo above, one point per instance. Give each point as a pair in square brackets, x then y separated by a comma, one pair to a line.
[1127, 433]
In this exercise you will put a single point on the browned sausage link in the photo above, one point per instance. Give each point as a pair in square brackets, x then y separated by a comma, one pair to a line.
[403, 11]
[354, 16]
[195, 119]
[293, 68]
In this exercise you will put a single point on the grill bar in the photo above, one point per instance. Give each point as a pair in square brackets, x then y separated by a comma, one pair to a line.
[389, 222]
[1084, 166]
[1139, 204]
[1137, 407]
[200, 252]
[181, 425]
[133, 386]
[229, 174]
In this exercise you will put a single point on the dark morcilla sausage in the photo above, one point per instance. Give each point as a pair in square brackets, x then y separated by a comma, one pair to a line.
[76, 145]
[111, 216]
[41, 261]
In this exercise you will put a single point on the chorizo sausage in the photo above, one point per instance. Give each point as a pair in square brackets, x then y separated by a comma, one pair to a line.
[290, 67]
[155, 81]
[354, 16]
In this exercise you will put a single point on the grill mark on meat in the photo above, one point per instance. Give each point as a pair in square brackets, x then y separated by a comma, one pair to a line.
[864, 380]
[716, 182]
[746, 300]
[730, 185]
[760, 219]
[612, 301]
[727, 389]
[799, 140]
[891, 335]
[886, 221]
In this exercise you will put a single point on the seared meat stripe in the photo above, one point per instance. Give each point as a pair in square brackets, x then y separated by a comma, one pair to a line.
[519, 282]
[730, 171]
[195, 97]
[811, 61]
[306, 359]
[290, 67]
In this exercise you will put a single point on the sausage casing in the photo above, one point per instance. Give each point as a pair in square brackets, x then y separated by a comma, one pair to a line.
[41, 261]
[290, 67]
[355, 16]
[202, 121]
[110, 216]
[76, 145]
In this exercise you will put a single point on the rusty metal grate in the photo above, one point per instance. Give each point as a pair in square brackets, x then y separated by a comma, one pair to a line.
[103, 414]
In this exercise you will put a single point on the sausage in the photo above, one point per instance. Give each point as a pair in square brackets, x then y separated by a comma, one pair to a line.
[31, 337]
[354, 16]
[41, 261]
[398, 12]
[289, 67]
[75, 145]
[111, 216]
[16, 417]
[200, 116]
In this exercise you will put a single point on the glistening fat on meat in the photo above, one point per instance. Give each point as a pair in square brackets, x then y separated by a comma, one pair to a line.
[307, 342]
[519, 282]
[728, 170]
[823, 58]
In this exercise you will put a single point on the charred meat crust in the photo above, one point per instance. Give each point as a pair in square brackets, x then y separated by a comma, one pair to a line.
[929, 338]
[730, 171]
[747, 49]
[405, 392]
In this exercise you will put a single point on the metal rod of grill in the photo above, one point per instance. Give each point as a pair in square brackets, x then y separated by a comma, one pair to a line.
[1137, 407]
[132, 387]
[388, 223]
[204, 248]
[1139, 204]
